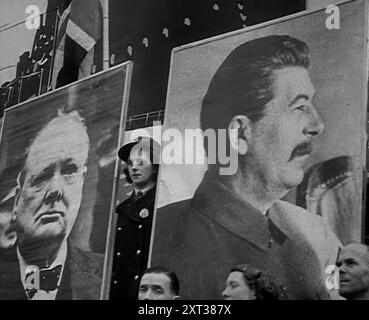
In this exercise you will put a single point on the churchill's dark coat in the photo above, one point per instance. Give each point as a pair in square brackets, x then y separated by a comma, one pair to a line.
[81, 279]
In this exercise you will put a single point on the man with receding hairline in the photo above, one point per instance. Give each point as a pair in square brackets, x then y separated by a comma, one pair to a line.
[353, 263]
[45, 265]
[158, 283]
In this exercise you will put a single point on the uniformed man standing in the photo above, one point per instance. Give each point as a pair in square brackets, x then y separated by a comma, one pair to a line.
[132, 241]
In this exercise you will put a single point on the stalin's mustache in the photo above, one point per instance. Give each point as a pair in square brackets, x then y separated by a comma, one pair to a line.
[301, 150]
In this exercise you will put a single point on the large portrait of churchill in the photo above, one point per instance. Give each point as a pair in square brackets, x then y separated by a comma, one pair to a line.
[58, 177]
[278, 113]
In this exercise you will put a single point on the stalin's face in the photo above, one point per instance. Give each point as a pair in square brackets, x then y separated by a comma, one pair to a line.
[281, 142]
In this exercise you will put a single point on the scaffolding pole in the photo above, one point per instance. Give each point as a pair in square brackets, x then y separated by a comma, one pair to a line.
[105, 9]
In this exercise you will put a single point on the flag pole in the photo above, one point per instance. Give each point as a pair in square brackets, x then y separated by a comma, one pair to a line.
[105, 8]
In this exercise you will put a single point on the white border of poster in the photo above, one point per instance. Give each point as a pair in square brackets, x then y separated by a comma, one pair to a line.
[96, 108]
[338, 72]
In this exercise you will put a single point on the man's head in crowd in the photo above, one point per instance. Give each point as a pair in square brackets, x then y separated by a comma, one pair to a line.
[262, 95]
[353, 263]
[50, 184]
[158, 283]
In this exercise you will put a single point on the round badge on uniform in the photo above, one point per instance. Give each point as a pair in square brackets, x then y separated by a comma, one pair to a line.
[144, 213]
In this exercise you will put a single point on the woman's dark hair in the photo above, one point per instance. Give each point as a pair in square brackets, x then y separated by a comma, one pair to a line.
[261, 284]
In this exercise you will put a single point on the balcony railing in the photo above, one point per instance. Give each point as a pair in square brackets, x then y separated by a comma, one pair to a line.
[144, 119]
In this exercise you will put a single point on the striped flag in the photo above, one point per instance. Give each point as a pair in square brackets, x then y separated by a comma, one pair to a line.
[85, 23]
[80, 28]
[60, 44]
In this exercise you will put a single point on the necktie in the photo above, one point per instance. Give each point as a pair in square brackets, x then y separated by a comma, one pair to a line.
[48, 280]
[138, 195]
[275, 234]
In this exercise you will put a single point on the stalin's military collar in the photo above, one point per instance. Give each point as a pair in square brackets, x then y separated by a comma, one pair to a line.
[131, 207]
[216, 201]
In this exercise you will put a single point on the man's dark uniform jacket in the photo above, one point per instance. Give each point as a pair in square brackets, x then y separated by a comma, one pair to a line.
[81, 279]
[201, 239]
[132, 243]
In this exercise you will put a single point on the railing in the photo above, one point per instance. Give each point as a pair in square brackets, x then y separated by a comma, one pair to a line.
[140, 120]
[15, 88]
[144, 119]
[18, 90]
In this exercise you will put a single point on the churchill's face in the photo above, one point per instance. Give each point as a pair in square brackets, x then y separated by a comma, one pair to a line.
[282, 141]
[50, 196]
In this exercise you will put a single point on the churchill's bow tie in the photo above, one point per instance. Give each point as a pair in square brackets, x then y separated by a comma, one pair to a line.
[48, 279]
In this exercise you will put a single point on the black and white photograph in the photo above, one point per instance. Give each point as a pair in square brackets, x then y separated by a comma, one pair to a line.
[180, 150]
[280, 114]
[54, 239]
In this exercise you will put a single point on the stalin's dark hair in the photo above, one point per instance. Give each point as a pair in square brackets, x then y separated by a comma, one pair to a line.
[174, 282]
[243, 84]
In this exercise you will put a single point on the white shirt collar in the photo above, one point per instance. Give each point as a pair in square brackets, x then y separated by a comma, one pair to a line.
[145, 190]
[60, 260]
